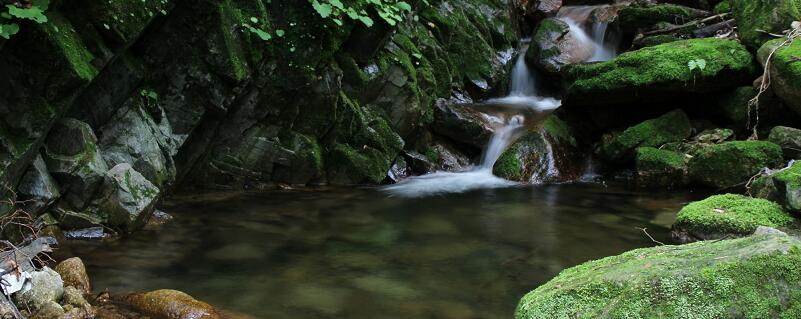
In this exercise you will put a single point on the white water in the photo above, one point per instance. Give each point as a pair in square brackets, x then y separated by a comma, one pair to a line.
[576, 17]
[523, 102]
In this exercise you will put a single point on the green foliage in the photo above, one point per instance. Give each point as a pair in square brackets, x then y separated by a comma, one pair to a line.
[12, 14]
[699, 64]
[390, 11]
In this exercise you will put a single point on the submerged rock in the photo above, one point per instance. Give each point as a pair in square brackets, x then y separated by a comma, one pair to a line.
[673, 126]
[782, 186]
[660, 168]
[757, 18]
[732, 163]
[728, 215]
[785, 68]
[170, 304]
[788, 138]
[661, 70]
[753, 277]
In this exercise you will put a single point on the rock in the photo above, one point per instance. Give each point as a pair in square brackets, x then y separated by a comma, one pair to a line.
[461, 123]
[637, 16]
[49, 310]
[660, 71]
[727, 215]
[673, 126]
[757, 18]
[38, 187]
[752, 277]
[732, 163]
[86, 233]
[399, 170]
[782, 186]
[660, 168]
[785, 68]
[126, 198]
[553, 46]
[734, 105]
[536, 10]
[74, 297]
[170, 304]
[788, 138]
[713, 136]
[447, 157]
[654, 40]
[764, 230]
[45, 287]
[527, 160]
[73, 159]
[73, 273]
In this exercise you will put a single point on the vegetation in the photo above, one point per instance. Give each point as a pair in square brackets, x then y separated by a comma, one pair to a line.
[12, 14]
[391, 11]
[731, 214]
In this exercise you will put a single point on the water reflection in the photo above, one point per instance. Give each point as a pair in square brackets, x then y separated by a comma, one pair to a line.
[354, 253]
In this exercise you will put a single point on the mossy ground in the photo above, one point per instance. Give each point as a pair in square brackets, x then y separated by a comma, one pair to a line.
[731, 214]
[752, 277]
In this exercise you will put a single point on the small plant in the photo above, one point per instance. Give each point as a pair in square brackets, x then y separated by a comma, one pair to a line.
[389, 10]
[699, 64]
[261, 32]
[13, 13]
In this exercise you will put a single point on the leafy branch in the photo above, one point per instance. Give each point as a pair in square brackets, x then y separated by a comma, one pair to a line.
[391, 11]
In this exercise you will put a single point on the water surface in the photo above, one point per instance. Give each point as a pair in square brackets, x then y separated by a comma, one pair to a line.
[357, 253]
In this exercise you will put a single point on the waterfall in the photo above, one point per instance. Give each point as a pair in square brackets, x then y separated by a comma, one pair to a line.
[576, 18]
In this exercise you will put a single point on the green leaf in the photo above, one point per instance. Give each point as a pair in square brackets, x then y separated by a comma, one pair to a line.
[323, 9]
[32, 13]
[259, 32]
[279, 33]
[701, 63]
[338, 22]
[404, 6]
[366, 21]
[7, 30]
[691, 65]
[352, 13]
[254, 19]
[337, 4]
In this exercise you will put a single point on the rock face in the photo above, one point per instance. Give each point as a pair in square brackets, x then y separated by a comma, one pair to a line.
[727, 215]
[757, 18]
[170, 304]
[673, 126]
[732, 163]
[660, 70]
[553, 46]
[785, 70]
[660, 168]
[752, 277]
[782, 186]
[788, 138]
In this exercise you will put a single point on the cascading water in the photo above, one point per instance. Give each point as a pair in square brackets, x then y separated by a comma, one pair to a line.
[520, 105]
[576, 17]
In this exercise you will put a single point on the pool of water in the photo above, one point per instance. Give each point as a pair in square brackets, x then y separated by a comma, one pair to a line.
[359, 253]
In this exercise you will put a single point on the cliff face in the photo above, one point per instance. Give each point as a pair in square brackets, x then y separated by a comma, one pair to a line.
[189, 94]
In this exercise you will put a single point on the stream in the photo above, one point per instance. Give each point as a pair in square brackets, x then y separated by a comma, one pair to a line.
[360, 253]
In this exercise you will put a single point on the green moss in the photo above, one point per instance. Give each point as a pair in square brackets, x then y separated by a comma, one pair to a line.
[352, 166]
[732, 163]
[70, 45]
[664, 65]
[509, 166]
[673, 126]
[431, 154]
[752, 277]
[785, 60]
[636, 16]
[722, 7]
[230, 21]
[731, 214]
[757, 18]
[559, 130]
[791, 177]
[649, 158]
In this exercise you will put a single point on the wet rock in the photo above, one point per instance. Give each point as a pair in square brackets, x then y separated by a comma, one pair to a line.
[73, 159]
[170, 304]
[728, 215]
[660, 168]
[673, 126]
[553, 46]
[732, 163]
[528, 160]
[788, 138]
[757, 18]
[399, 170]
[126, 198]
[660, 71]
[448, 158]
[71, 220]
[74, 297]
[461, 123]
[44, 289]
[86, 233]
[38, 187]
[764, 230]
[782, 186]
[785, 68]
[728, 278]
[157, 220]
[419, 163]
[73, 273]
[536, 10]
[637, 16]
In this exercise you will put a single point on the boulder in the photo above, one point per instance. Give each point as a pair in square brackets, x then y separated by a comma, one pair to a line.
[170, 304]
[752, 277]
[44, 287]
[757, 18]
[536, 10]
[788, 138]
[660, 168]
[126, 198]
[665, 70]
[37, 188]
[553, 46]
[727, 215]
[638, 16]
[673, 126]
[73, 273]
[734, 105]
[782, 186]
[461, 123]
[73, 159]
[732, 163]
[785, 69]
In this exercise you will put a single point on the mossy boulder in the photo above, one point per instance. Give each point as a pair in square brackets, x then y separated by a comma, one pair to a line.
[638, 16]
[757, 18]
[785, 70]
[661, 70]
[732, 163]
[752, 277]
[782, 186]
[788, 138]
[553, 46]
[548, 155]
[660, 168]
[673, 126]
[727, 215]
[126, 199]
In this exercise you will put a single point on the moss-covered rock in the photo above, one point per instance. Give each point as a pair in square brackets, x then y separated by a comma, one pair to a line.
[753, 277]
[641, 16]
[785, 70]
[673, 126]
[527, 160]
[782, 186]
[653, 40]
[788, 138]
[661, 69]
[732, 163]
[660, 168]
[553, 46]
[727, 215]
[757, 18]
